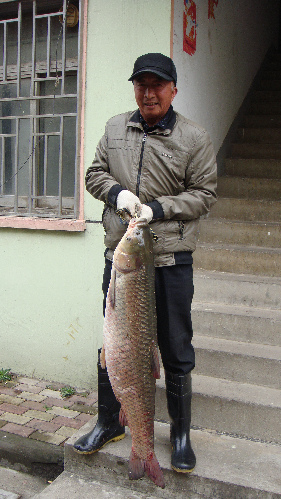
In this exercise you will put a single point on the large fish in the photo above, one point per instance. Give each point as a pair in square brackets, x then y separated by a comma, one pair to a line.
[130, 344]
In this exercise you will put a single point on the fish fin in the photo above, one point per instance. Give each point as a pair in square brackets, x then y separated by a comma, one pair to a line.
[155, 364]
[102, 358]
[136, 466]
[153, 470]
[123, 418]
[111, 289]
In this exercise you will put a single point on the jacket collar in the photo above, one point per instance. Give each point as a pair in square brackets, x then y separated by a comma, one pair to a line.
[165, 125]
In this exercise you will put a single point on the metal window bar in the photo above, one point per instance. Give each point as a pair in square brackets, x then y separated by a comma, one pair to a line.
[39, 72]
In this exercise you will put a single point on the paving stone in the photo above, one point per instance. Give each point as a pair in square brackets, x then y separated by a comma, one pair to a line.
[50, 438]
[51, 393]
[4, 494]
[86, 409]
[3, 423]
[66, 431]
[36, 397]
[9, 399]
[28, 388]
[46, 426]
[36, 406]
[15, 418]
[57, 402]
[27, 381]
[59, 411]
[72, 423]
[44, 416]
[6, 391]
[22, 431]
[15, 409]
[84, 418]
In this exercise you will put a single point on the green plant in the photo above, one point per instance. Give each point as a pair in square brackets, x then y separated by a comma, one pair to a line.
[67, 391]
[5, 375]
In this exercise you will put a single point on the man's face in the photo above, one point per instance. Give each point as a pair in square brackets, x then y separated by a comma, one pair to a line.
[154, 96]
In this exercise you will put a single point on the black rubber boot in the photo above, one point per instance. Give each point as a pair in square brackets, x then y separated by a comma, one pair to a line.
[179, 394]
[107, 428]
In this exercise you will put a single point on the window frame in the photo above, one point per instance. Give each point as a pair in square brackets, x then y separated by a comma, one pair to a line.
[77, 223]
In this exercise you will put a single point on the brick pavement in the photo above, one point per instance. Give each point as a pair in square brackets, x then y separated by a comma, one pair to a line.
[35, 409]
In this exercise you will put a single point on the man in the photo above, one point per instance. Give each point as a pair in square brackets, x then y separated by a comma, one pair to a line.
[157, 164]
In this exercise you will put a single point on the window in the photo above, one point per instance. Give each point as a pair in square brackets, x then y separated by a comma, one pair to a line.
[39, 95]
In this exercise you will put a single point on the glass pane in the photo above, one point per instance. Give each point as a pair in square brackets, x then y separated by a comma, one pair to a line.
[9, 167]
[24, 153]
[69, 154]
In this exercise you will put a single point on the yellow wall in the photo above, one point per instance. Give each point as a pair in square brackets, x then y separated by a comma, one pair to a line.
[50, 286]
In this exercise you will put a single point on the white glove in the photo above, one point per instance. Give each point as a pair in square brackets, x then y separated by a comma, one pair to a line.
[128, 201]
[146, 212]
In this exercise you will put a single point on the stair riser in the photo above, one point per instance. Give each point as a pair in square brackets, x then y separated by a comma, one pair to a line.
[263, 121]
[236, 327]
[268, 135]
[265, 107]
[238, 261]
[260, 168]
[229, 416]
[244, 290]
[270, 85]
[271, 96]
[230, 187]
[246, 210]
[258, 151]
[213, 231]
[240, 368]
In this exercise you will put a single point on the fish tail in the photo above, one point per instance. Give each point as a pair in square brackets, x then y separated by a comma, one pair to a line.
[136, 466]
[154, 471]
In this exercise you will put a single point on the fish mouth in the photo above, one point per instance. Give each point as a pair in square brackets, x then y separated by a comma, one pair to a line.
[140, 222]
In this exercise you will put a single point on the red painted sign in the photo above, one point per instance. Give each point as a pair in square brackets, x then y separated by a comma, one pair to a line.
[189, 27]
[211, 8]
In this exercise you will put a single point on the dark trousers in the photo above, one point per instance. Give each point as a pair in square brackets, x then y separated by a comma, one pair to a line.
[174, 293]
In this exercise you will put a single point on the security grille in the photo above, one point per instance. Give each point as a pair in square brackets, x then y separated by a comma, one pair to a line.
[39, 88]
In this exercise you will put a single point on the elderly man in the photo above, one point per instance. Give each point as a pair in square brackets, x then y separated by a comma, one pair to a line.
[160, 165]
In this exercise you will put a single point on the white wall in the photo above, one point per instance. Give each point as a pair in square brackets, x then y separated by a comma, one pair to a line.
[214, 81]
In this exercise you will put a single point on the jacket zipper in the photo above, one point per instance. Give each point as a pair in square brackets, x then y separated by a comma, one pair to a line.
[140, 164]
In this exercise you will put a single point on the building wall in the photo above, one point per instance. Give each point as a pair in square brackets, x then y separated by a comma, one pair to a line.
[50, 287]
[230, 47]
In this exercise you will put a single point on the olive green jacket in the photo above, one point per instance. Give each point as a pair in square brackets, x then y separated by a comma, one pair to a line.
[177, 168]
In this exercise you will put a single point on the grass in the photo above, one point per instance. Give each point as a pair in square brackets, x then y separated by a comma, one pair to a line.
[5, 375]
[67, 391]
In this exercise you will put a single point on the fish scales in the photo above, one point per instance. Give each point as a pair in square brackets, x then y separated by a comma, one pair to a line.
[130, 340]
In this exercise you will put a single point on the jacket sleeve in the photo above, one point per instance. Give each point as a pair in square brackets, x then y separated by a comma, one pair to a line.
[99, 182]
[200, 184]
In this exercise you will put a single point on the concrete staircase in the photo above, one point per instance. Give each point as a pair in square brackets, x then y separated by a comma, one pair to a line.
[236, 413]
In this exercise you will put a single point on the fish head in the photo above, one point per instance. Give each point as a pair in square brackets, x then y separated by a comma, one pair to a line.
[135, 248]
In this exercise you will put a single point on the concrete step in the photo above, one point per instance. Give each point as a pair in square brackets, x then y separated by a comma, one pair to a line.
[72, 485]
[265, 107]
[257, 168]
[246, 210]
[226, 467]
[250, 188]
[253, 363]
[262, 121]
[237, 323]
[255, 150]
[271, 74]
[237, 289]
[266, 95]
[269, 84]
[259, 134]
[240, 259]
[242, 233]
[231, 407]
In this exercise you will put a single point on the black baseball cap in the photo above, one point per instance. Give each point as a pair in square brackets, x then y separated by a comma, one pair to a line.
[156, 63]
